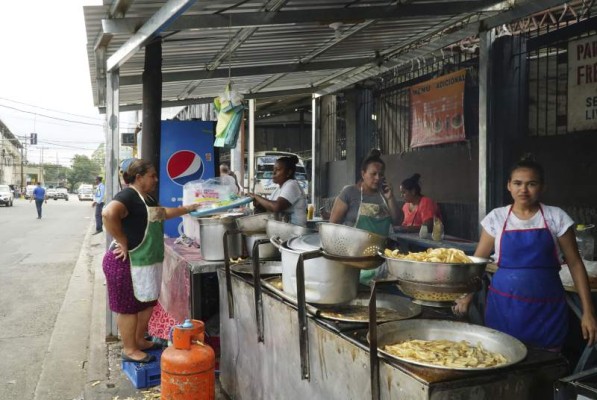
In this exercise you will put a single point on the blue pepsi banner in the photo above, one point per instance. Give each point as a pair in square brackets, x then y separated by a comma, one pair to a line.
[186, 154]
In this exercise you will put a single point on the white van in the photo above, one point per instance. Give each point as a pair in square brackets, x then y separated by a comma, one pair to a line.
[264, 172]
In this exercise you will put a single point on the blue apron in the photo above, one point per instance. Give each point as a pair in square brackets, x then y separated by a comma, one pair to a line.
[526, 296]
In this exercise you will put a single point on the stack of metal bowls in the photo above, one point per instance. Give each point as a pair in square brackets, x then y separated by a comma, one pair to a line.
[253, 228]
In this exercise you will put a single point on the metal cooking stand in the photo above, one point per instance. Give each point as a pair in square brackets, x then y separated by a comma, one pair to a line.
[257, 287]
[302, 311]
[373, 357]
[227, 268]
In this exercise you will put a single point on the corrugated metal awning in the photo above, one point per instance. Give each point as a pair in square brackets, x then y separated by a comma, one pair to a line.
[276, 48]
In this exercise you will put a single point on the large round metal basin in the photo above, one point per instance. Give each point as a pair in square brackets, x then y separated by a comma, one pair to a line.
[423, 329]
[457, 274]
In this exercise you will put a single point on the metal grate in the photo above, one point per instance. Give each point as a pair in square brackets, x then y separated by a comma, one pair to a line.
[336, 121]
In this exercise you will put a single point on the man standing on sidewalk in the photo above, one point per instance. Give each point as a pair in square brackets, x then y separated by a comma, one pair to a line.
[99, 198]
[39, 194]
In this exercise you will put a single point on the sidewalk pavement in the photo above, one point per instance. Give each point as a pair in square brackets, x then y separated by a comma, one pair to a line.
[79, 356]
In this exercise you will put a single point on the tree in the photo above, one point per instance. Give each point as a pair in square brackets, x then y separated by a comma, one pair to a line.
[99, 156]
[83, 170]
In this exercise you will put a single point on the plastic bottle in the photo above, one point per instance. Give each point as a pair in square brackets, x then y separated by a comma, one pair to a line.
[310, 212]
[585, 241]
[438, 229]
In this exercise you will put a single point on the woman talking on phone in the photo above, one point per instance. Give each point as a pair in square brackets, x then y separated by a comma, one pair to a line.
[369, 204]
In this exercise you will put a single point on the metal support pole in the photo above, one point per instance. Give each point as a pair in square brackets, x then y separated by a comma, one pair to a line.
[111, 165]
[251, 160]
[152, 104]
[313, 144]
[485, 134]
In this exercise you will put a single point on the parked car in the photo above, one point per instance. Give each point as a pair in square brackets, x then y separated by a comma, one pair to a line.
[85, 192]
[6, 195]
[61, 193]
[51, 194]
[29, 191]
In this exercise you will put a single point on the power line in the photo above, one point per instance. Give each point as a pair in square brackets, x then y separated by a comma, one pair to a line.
[50, 117]
[49, 109]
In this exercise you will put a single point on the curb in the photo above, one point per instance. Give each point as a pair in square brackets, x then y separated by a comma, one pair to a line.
[63, 371]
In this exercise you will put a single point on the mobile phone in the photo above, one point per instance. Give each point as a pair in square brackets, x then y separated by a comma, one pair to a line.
[383, 185]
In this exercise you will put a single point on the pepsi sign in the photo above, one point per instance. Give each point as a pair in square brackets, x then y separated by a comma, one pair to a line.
[184, 166]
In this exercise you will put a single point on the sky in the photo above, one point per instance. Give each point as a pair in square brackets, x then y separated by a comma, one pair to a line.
[44, 78]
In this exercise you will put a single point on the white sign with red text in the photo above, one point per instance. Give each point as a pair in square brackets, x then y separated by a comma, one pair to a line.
[582, 84]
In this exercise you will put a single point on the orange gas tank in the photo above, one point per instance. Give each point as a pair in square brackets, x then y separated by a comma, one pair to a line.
[188, 366]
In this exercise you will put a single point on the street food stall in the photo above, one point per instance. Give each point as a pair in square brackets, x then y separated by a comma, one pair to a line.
[286, 332]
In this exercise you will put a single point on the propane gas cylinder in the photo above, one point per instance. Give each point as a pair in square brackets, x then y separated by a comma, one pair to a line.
[188, 366]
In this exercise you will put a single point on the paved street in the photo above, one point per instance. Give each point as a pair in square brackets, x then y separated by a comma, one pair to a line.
[37, 258]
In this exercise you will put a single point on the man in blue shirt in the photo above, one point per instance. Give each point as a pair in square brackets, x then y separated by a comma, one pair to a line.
[99, 198]
[39, 194]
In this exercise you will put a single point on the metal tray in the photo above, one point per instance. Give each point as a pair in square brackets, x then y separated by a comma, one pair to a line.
[390, 307]
[399, 331]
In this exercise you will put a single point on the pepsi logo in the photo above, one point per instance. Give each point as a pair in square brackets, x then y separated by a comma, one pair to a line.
[184, 166]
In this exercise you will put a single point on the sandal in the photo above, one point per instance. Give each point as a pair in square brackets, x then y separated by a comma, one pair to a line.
[147, 359]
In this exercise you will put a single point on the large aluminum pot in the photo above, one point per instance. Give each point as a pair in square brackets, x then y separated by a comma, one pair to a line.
[284, 230]
[253, 223]
[456, 274]
[425, 329]
[266, 250]
[346, 241]
[212, 231]
[326, 281]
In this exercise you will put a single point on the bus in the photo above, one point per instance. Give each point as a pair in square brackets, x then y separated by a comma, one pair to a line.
[264, 171]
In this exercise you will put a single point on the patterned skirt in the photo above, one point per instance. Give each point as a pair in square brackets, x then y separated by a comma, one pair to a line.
[120, 286]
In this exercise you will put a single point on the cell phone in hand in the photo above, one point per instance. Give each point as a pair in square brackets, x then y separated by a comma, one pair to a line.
[383, 186]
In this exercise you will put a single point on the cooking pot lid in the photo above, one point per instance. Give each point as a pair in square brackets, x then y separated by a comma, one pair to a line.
[308, 242]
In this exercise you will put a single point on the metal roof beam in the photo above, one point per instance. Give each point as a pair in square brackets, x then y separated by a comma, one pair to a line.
[308, 91]
[251, 71]
[320, 16]
[150, 29]
[520, 10]
[118, 8]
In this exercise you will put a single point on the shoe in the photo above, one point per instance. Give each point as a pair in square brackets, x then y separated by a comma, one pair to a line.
[147, 359]
[156, 346]
[96, 232]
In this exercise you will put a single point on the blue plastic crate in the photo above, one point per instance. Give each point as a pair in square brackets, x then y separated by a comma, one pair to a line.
[144, 375]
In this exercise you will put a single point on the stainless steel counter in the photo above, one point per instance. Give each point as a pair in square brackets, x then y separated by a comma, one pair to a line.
[339, 361]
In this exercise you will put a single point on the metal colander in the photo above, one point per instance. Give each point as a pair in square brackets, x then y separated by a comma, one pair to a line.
[346, 241]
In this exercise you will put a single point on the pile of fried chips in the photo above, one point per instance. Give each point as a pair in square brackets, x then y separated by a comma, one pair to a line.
[446, 353]
[440, 255]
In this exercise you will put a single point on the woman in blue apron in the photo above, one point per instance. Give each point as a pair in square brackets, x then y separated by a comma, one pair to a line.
[133, 262]
[526, 297]
[367, 205]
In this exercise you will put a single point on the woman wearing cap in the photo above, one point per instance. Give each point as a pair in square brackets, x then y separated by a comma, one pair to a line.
[288, 200]
[133, 262]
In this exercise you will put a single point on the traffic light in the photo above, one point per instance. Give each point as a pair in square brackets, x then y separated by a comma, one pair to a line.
[33, 139]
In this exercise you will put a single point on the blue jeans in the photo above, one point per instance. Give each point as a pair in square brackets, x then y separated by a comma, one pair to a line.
[98, 216]
[38, 204]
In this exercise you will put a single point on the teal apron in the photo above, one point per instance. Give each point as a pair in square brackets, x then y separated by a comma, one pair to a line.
[374, 218]
[146, 259]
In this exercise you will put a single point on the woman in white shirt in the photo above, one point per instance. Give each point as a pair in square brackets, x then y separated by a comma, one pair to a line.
[288, 201]
[526, 296]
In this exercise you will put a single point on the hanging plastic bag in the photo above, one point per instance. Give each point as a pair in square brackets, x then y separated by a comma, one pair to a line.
[230, 108]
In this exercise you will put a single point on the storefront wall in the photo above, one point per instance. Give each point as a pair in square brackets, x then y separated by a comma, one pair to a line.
[527, 115]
